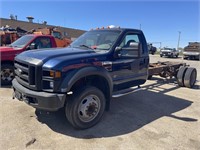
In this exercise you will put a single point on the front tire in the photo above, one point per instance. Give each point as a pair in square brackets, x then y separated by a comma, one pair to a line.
[85, 107]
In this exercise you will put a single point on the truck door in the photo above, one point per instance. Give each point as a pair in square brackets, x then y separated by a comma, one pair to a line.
[130, 68]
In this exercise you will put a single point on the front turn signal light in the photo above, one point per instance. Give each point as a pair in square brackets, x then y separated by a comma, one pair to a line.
[55, 74]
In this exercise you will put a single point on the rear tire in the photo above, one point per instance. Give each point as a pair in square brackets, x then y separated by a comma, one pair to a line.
[180, 75]
[85, 107]
[190, 77]
[7, 74]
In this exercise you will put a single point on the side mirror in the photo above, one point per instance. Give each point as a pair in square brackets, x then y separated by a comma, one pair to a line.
[133, 49]
[117, 49]
[134, 45]
[32, 46]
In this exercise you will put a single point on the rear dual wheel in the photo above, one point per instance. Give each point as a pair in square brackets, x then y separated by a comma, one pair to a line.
[186, 76]
[180, 75]
[190, 77]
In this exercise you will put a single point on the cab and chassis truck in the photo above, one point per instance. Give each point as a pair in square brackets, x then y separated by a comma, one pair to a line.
[83, 77]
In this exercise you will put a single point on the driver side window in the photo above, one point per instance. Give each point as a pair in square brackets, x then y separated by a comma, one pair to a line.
[128, 39]
[129, 49]
[39, 43]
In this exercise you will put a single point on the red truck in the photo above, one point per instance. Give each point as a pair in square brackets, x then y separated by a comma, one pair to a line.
[26, 42]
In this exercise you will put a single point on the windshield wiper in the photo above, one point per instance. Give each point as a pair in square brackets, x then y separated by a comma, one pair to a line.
[85, 46]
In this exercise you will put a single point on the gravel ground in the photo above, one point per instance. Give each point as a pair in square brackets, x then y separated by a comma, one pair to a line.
[161, 116]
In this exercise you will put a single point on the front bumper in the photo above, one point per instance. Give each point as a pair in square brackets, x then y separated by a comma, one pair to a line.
[41, 100]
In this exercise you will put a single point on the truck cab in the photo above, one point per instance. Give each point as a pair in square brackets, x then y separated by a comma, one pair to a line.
[25, 43]
[83, 77]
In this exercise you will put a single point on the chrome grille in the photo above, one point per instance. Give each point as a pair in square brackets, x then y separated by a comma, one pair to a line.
[26, 74]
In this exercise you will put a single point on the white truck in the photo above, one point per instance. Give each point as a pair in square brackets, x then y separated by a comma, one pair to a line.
[192, 51]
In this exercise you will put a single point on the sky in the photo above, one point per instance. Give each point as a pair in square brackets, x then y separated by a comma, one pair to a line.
[161, 21]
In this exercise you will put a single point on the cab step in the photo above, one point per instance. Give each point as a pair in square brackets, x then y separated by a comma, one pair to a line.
[126, 91]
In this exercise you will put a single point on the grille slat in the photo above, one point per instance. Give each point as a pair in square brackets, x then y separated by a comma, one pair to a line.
[24, 69]
[20, 80]
[23, 76]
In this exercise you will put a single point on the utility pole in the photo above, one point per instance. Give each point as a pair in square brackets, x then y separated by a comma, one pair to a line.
[140, 26]
[179, 36]
[160, 45]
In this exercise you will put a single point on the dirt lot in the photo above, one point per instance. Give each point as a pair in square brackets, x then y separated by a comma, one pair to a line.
[162, 116]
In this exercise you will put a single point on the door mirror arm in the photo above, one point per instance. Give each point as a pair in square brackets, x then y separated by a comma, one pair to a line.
[117, 51]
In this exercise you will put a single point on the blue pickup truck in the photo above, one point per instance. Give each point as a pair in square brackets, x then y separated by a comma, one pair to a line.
[83, 77]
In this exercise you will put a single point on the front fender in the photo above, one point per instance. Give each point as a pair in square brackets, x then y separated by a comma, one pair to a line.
[73, 76]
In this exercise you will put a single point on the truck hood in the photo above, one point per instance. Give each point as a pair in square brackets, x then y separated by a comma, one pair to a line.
[8, 49]
[8, 53]
[50, 58]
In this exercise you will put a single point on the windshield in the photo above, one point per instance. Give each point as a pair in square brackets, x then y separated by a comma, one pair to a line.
[170, 49]
[97, 40]
[21, 42]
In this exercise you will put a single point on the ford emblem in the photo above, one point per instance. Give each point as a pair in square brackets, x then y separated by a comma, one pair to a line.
[20, 70]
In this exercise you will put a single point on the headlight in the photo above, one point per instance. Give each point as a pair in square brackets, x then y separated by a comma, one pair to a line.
[51, 84]
[50, 79]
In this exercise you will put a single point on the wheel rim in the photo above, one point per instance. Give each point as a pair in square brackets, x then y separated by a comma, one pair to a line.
[7, 75]
[89, 108]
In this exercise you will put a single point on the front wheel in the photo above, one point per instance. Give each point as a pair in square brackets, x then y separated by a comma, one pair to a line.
[85, 107]
[7, 74]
